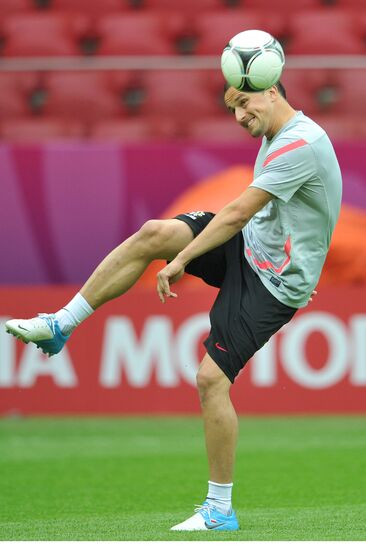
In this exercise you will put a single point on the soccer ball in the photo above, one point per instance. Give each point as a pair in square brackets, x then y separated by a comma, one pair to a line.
[252, 61]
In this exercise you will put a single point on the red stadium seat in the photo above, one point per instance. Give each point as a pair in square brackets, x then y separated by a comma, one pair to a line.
[182, 94]
[327, 92]
[311, 91]
[39, 34]
[85, 96]
[102, 7]
[326, 31]
[187, 6]
[125, 130]
[337, 92]
[218, 129]
[40, 130]
[215, 29]
[136, 129]
[15, 6]
[358, 4]
[351, 86]
[139, 33]
[285, 6]
[342, 127]
[91, 7]
[15, 90]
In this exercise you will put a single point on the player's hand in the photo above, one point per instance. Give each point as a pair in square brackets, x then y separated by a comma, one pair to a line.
[314, 293]
[167, 276]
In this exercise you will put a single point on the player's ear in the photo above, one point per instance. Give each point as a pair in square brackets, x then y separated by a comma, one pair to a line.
[273, 92]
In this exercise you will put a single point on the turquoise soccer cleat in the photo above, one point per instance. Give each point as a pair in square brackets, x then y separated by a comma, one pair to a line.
[43, 331]
[208, 518]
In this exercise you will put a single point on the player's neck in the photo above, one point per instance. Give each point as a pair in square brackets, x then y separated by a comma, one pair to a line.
[284, 114]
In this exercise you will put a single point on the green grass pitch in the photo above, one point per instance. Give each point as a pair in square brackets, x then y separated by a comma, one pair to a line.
[133, 478]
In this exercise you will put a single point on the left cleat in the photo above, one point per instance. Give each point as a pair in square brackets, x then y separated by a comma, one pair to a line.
[43, 331]
[208, 518]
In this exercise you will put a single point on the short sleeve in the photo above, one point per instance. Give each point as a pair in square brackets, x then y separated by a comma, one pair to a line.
[283, 173]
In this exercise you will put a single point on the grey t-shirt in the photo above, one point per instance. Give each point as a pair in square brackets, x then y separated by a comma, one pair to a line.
[287, 241]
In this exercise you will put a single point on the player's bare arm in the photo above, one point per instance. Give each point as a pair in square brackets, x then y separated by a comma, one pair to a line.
[227, 223]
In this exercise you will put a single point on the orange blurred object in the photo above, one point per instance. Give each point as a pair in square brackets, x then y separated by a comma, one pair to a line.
[346, 261]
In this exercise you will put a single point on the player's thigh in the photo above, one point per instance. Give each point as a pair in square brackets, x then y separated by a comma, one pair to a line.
[165, 238]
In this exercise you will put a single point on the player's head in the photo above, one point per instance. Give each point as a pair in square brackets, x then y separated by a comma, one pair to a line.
[261, 113]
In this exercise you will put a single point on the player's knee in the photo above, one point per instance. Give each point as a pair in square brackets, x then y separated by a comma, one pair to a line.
[152, 234]
[207, 381]
[202, 382]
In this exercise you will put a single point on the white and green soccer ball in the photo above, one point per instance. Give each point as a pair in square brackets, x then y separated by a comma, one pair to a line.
[252, 61]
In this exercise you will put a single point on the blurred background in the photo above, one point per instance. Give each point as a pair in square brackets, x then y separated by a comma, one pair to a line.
[112, 113]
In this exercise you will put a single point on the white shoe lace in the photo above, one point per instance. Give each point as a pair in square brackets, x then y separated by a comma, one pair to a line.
[49, 321]
[206, 507]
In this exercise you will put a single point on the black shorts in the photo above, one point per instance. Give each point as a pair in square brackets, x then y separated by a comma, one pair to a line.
[245, 314]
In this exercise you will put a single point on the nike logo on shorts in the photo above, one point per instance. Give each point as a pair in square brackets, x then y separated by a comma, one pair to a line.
[217, 345]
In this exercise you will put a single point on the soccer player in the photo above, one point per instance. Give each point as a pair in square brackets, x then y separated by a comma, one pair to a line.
[264, 250]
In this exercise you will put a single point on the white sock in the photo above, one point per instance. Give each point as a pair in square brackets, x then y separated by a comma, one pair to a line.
[220, 495]
[70, 316]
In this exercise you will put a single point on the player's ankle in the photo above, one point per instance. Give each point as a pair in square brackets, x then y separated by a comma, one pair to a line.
[74, 313]
[222, 506]
[219, 494]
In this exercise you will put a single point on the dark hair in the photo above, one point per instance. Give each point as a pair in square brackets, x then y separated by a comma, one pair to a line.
[280, 87]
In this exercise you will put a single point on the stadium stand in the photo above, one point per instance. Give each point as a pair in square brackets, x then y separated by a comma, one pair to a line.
[217, 129]
[327, 26]
[26, 130]
[122, 34]
[182, 94]
[216, 28]
[87, 96]
[350, 85]
[284, 6]
[15, 6]
[91, 7]
[326, 92]
[186, 6]
[342, 127]
[39, 34]
[15, 93]
[358, 4]
[137, 129]
[313, 91]
[138, 104]
[127, 130]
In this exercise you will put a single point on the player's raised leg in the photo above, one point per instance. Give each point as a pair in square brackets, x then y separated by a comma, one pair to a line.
[221, 432]
[157, 239]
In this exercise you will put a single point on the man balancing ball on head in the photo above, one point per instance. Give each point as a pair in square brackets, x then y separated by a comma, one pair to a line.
[264, 250]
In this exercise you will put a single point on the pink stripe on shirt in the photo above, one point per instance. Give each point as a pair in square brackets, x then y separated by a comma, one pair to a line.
[285, 149]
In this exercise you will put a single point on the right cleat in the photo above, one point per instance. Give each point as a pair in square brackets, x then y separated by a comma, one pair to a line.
[43, 331]
[208, 518]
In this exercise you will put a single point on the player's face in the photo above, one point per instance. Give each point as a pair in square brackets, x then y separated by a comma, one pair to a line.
[253, 111]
